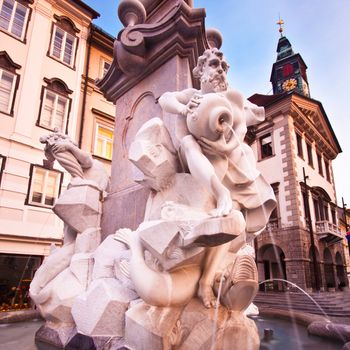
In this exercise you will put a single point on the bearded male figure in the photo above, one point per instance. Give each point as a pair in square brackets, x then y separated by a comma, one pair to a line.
[224, 165]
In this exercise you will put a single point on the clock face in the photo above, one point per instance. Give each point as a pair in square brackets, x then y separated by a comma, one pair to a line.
[289, 84]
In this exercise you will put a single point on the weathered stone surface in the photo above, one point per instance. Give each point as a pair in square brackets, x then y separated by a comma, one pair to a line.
[330, 330]
[150, 327]
[63, 290]
[100, 310]
[81, 266]
[88, 240]
[79, 207]
[202, 328]
[54, 338]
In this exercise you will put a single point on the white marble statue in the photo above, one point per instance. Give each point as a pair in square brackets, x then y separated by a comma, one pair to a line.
[65, 272]
[212, 124]
[190, 253]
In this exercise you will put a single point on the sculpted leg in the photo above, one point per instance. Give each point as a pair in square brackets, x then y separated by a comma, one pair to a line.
[212, 263]
[203, 171]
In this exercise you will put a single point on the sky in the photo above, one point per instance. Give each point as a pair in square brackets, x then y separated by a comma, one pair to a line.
[318, 30]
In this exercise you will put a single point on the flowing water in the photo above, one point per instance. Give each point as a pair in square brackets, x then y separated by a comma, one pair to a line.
[300, 289]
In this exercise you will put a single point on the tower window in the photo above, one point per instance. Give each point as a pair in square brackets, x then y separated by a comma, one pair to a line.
[309, 154]
[328, 174]
[266, 149]
[299, 145]
[319, 161]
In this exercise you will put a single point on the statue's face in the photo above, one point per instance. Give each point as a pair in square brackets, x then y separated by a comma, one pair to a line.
[214, 75]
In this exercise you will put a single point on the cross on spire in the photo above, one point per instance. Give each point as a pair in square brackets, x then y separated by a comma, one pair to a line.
[280, 23]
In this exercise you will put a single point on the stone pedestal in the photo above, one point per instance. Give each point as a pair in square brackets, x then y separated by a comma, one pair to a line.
[161, 60]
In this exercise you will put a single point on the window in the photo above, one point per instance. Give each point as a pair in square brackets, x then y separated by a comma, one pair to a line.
[103, 142]
[8, 82]
[54, 106]
[2, 166]
[274, 219]
[319, 161]
[7, 88]
[328, 174]
[44, 186]
[13, 17]
[104, 67]
[266, 146]
[309, 154]
[54, 112]
[63, 46]
[64, 40]
[299, 145]
[334, 218]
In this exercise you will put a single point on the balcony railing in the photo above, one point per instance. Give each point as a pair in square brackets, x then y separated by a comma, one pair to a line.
[328, 231]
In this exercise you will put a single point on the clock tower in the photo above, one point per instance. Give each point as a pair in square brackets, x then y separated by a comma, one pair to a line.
[289, 70]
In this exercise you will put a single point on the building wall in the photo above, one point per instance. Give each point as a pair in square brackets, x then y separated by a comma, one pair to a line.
[27, 229]
[292, 236]
[96, 110]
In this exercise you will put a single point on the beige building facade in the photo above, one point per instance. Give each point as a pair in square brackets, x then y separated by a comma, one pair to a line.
[42, 61]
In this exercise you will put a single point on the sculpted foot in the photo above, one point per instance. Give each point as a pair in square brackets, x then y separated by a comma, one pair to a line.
[224, 205]
[205, 293]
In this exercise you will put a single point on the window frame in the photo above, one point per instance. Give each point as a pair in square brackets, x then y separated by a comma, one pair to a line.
[65, 25]
[9, 110]
[99, 123]
[327, 169]
[299, 141]
[2, 166]
[28, 200]
[60, 89]
[6, 64]
[310, 159]
[26, 21]
[319, 162]
[260, 148]
[102, 66]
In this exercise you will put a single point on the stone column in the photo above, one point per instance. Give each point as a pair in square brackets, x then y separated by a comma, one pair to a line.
[154, 53]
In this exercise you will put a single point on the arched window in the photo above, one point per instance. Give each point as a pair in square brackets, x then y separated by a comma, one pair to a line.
[55, 105]
[64, 41]
[8, 83]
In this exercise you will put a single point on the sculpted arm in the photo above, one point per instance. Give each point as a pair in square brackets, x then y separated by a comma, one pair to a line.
[84, 158]
[177, 102]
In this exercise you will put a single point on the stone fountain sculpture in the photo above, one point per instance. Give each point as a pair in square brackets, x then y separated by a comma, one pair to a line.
[184, 277]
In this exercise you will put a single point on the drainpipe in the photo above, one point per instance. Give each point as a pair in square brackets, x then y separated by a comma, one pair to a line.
[91, 34]
[313, 247]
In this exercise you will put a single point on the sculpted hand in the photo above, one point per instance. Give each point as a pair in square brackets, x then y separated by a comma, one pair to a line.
[192, 105]
[61, 147]
[220, 147]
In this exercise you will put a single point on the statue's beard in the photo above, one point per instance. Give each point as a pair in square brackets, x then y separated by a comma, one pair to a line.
[215, 83]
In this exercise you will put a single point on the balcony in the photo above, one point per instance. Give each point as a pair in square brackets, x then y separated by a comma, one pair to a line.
[328, 232]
